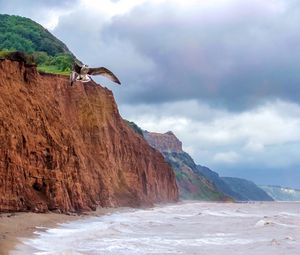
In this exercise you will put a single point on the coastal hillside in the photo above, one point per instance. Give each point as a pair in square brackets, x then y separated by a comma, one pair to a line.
[67, 148]
[192, 185]
[279, 193]
[248, 190]
[22, 34]
[237, 188]
[219, 183]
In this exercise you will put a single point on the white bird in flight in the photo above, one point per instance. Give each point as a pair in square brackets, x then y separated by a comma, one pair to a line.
[82, 73]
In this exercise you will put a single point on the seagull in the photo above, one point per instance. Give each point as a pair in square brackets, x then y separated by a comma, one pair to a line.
[82, 73]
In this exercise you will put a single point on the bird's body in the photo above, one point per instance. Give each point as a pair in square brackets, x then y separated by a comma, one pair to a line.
[82, 72]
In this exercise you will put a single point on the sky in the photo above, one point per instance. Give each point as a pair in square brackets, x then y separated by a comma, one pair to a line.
[223, 75]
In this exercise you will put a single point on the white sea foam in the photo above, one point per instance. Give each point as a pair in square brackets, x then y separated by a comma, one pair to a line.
[185, 228]
[230, 214]
[288, 214]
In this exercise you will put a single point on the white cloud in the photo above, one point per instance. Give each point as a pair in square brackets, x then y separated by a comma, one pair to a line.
[254, 146]
[104, 9]
[110, 8]
[226, 157]
[51, 19]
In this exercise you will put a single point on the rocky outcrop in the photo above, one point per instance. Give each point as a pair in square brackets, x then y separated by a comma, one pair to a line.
[67, 148]
[191, 183]
[166, 142]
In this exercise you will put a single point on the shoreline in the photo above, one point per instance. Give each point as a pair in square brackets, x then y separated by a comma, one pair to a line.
[185, 227]
[15, 227]
[20, 225]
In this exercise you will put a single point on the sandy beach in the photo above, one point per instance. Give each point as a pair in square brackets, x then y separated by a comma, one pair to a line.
[22, 225]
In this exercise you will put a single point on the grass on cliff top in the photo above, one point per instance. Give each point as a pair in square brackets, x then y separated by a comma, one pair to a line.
[59, 64]
[3, 54]
[52, 70]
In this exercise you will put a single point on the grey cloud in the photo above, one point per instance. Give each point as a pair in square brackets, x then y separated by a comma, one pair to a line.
[15, 4]
[40, 11]
[235, 56]
[84, 36]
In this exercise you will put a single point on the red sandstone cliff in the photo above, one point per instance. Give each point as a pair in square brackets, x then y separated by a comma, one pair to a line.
[67, 148]
[166, 142]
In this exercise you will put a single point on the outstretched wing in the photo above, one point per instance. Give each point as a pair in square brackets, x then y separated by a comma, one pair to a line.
[76, 67]
[105, 72]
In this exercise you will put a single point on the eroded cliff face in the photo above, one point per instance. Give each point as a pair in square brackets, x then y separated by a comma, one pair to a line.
[67, 148]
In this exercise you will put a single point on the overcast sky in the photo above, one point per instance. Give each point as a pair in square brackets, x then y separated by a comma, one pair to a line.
[223, 75]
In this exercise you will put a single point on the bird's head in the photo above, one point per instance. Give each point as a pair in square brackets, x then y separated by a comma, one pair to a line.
[84, 69]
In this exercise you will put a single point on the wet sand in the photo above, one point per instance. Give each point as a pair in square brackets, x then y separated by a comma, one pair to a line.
[14, 226]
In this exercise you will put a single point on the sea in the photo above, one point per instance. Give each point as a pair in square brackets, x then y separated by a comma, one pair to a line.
[256, 228]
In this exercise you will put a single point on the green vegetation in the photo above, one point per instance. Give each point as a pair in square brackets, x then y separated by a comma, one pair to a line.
[24, 35]
[60, 64]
